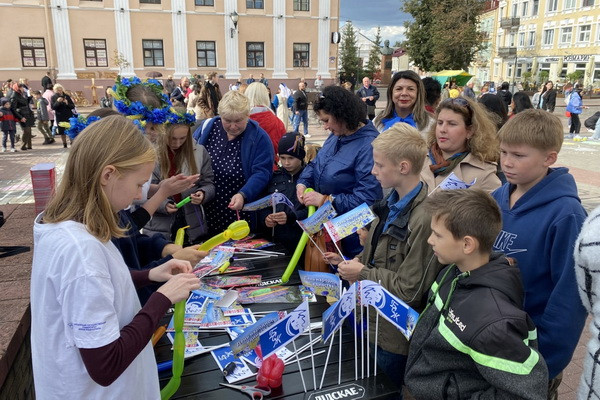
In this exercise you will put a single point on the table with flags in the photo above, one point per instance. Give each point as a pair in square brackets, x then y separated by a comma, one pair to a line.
[229, 332]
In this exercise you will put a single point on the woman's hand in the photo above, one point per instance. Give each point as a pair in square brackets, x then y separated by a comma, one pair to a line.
[237, 202]
[166, 271]
[198, 197]
[350, 270]
[314, 199]
[300, 192]
[171, 208]
[332, 258]
[177, 184]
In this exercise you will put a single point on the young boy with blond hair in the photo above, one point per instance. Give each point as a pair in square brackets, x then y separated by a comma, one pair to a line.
[473, 340]
[396, 250]
[541, 218]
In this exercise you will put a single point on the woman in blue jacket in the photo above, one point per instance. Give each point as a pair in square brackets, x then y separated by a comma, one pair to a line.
[341, 172]
[242, 159]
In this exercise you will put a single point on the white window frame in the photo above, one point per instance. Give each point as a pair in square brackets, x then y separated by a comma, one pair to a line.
[562, 33]
[521, 39]
[569, 4]
[587, 33]
[548, 34]
[531, 41]
[552, 6]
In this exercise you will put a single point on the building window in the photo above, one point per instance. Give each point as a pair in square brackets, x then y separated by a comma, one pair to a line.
[149, 1]
[255, 4]
[301, 54]
[596, 71]
[585, 32]
[301, 5]
[515, 7]
[525, 9]
[255, 54]
[511, 40]
[153, 53]
[521, 39]
[204, 2]
[536, 7]
[566, 35]
[548, 37]
[531, 38]
[552, 5]
[95, 53]
[206, 54]
[33, 52]
[587, 3]
[569, 4]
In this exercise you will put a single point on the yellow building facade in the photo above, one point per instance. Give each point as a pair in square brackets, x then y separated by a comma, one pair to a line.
[81, 39]
[555, 36]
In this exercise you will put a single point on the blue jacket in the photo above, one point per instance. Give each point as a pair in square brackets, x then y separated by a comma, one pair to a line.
[575, 103]
[257, 156]
[540, 232]
[342, 168]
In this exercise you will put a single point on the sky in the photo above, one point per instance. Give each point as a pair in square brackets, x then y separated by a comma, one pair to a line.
[366, 15]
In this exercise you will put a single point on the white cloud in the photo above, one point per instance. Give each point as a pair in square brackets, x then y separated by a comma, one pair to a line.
[392, 33]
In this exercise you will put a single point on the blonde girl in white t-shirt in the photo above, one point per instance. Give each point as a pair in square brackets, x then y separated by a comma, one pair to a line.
[90, 338]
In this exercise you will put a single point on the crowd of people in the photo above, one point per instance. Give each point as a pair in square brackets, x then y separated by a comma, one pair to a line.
[490, 268]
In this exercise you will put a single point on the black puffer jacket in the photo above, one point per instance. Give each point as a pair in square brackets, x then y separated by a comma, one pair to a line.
[63, 110]
[474, 341]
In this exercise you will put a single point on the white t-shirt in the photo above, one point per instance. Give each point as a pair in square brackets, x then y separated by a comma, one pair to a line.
[82, 295]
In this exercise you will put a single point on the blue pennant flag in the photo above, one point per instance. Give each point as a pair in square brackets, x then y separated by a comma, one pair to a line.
[389, 306]
[321, 283]
[284, 331]
[268, 201]
[313, 224]
[248, 340]
[454, 182]
[335, 315]
[280, 198]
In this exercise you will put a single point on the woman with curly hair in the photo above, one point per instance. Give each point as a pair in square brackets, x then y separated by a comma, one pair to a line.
[341, 172]
[406, 103]
[462, 141]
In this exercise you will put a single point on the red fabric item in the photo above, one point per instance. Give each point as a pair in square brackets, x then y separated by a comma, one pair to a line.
[273, 126]
[270, 372]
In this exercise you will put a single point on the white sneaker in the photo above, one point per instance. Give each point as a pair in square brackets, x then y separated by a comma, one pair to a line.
[13, 150]
[307, 135]
[3, 149]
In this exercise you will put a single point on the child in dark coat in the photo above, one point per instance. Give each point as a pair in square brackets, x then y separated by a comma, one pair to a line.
[291, 155]
[7, 124]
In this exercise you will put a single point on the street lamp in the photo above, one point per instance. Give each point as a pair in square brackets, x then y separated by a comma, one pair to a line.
[234, 18]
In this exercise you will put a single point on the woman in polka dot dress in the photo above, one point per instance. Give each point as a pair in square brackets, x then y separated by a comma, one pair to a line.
[242, 160]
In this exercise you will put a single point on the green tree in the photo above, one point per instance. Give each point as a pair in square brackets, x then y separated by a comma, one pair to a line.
[444, 33]
[575, 76]
[350, 65]
[374, 62]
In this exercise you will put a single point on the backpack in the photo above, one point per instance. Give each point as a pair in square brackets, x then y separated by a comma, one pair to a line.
[590, 123]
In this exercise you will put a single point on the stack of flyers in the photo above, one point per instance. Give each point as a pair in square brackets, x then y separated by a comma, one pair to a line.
[214, 260]
[209, 291]
[233, 281]
[201, 312]
[224, 356]
[249, 243]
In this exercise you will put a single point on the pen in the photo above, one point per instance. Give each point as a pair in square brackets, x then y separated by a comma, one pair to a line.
[183, 202]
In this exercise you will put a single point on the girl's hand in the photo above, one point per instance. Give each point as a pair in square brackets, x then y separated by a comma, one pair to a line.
[177, 184]
[191, 254]
[237, 202]
[314, 199]
[178, 288]
[280, 218]
[270, 222]
[198, 197]
[171, 208]
[300, 193]
[166, 271]
[332, 258]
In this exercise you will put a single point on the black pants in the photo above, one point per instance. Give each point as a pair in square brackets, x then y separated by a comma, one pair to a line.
[575, 124]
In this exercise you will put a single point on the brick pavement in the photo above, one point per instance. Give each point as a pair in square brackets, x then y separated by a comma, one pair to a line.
[15, 188]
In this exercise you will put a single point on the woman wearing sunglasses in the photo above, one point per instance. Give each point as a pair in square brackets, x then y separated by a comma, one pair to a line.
[462, 141]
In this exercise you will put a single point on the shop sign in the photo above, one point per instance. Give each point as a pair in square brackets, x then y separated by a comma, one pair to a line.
[577, 58]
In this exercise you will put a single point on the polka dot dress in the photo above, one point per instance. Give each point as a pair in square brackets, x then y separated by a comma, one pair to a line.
[229, 177]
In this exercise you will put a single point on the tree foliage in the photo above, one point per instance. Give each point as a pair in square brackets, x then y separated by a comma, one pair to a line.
[374, 62]
[349, 60]
[444, 33]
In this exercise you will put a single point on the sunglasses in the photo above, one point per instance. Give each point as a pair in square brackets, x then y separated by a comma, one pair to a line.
[458, 101]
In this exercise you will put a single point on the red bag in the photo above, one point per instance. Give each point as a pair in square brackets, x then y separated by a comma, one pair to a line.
[567, 114]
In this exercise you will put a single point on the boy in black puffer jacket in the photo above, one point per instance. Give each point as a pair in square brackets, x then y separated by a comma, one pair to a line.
[473, 340]
[291, 155]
